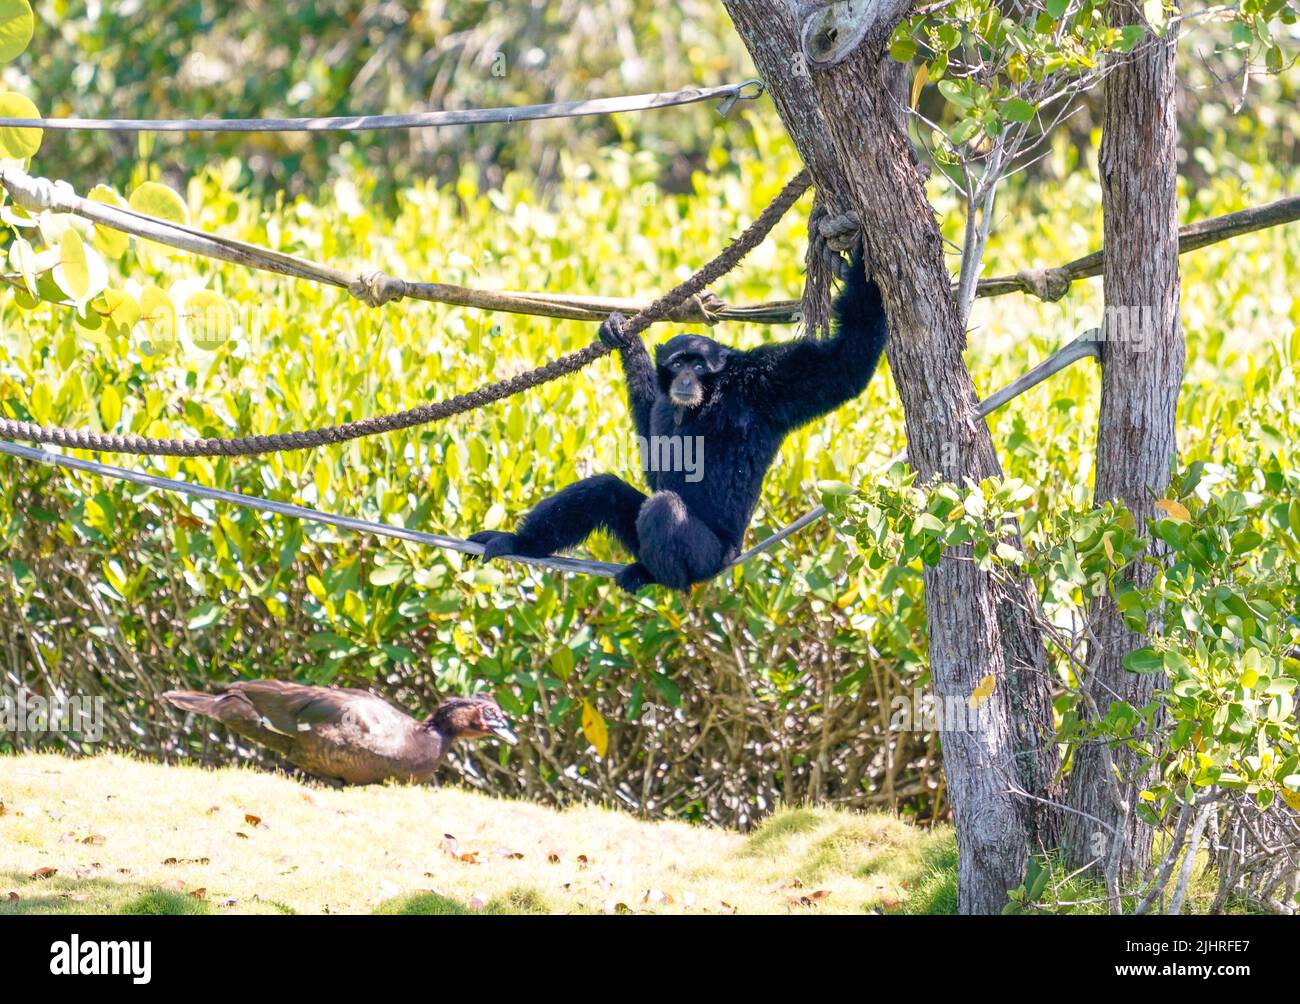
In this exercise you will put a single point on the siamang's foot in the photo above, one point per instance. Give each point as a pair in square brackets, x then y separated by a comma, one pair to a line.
[634, 578]
[495, 543]
[613, 332]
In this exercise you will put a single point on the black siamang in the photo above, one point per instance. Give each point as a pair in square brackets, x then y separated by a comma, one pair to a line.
[738, 406]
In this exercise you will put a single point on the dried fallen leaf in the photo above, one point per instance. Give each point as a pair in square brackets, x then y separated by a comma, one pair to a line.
[241, 834]
[811, 899]
[44, 873]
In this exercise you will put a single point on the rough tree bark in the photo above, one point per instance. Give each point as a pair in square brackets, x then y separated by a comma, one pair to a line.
[1142, 357]
[1142, 371]
[848, 115]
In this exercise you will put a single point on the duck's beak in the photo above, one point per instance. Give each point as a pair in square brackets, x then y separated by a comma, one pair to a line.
[503, 732]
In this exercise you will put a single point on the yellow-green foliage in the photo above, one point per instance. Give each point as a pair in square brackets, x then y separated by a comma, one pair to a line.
[202, 592]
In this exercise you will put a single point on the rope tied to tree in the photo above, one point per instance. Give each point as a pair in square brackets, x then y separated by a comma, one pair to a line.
[45, 195]
[1048, 284]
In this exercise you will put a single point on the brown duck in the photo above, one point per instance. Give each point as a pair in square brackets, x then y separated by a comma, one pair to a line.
[345, 735]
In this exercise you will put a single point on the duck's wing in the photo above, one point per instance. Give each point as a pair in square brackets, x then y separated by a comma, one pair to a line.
[292, 708]
[233, 708]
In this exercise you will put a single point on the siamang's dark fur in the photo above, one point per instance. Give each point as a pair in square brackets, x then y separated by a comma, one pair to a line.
[741, 405]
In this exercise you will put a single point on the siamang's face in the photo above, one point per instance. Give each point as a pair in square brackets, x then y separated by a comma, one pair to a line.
[688, 367]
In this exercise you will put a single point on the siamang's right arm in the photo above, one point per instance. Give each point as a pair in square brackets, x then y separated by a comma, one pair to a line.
[795, 382]
[638, 368]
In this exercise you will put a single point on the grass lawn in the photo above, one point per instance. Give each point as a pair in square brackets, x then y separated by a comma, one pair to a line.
[112, 834]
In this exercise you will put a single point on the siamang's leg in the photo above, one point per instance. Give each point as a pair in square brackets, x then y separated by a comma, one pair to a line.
[567, 518]
[675, 548]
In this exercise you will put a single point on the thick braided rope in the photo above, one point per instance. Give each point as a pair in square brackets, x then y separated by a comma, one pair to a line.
[660, 309]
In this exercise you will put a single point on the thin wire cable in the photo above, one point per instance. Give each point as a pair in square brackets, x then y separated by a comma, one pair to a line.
[747, 90]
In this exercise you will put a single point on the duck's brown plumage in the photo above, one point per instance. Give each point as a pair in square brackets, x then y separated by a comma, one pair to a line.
[344, 734]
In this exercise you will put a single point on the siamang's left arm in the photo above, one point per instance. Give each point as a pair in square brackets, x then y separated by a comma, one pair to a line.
[795, 382]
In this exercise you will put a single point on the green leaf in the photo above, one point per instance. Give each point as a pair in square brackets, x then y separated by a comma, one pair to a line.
[562, 662]
[22, 259]
[204, 615]
[1018, 110]
[964, 130]
[902, 49]
[159, 201]
[80, 273]
[16, 27]
[154, 199]
[111, 243]
[110, 406]
[17, 143]
[1129, 36]
[1144, 660]
[209, 321]
[386, 575]
[836, 488]
[955, 94]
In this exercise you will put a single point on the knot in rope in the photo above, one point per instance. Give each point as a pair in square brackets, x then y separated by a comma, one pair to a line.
[377, 288]
[1048, 284]
[703, 307]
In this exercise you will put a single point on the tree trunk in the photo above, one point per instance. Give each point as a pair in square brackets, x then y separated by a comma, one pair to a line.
[976, 630]
[1142, 356]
